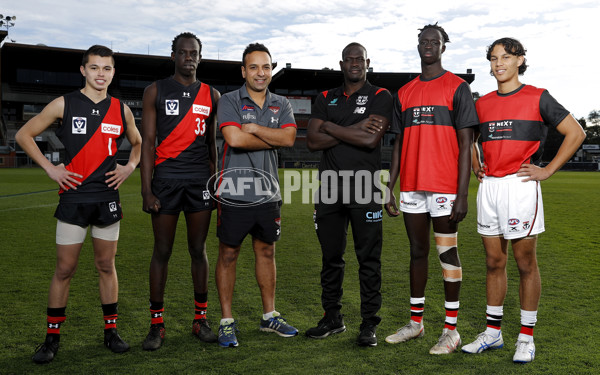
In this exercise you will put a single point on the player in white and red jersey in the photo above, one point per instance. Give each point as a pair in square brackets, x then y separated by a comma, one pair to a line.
[434, 116]
[514, 122]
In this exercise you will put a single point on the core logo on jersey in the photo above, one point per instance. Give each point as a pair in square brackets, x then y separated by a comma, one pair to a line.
[360, 110]
[275, 110]
[441, 200]
[172, 107]
[201, 109]
[111, 129]
[416, 112]
[513, 221]
[79, 125]
[362, 100]
[526, 225]
[247, 108]
[95, 112]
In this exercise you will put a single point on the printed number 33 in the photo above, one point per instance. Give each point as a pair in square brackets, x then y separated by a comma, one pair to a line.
[200, 126]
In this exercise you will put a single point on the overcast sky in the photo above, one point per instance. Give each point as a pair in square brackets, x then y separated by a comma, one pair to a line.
[561, 36]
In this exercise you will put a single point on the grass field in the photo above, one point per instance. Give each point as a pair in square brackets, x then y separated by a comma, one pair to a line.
[567, 333]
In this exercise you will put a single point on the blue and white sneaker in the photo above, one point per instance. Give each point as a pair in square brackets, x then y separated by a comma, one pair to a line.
[227, 337]
[278, 325]
[483, 342]
[525, 351]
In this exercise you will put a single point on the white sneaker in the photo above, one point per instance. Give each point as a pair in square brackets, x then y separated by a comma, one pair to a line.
[483, 342]
[410, 331]
[525, 351]
[447, 343]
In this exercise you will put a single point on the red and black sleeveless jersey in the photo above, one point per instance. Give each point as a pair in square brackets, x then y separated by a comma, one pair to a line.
[428, 113]
[514, 127]
[182, 113]
[91, 133]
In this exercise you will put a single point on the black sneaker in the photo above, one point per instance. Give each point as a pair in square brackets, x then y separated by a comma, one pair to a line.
[155, 338]
[367, 337]
[330, 324]
[201, 329]
[114, 342]
[46, 351]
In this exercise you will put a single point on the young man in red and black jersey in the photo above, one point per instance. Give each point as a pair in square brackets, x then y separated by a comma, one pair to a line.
[178, 158]
[434, 116]
[347, 124]
[92, 128]
[514, 123]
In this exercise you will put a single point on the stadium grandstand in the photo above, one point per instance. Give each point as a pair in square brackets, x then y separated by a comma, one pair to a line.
[33, 75]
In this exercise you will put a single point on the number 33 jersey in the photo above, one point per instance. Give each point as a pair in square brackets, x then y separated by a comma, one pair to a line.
[91, 133]
[182, 115]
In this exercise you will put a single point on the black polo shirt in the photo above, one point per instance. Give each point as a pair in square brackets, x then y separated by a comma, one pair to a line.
[335, 106]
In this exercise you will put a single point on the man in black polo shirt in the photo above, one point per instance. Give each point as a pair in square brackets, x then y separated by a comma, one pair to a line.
[347, 123]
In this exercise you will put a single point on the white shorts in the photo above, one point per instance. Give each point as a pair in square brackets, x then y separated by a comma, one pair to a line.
[509, 207]
[70, 234]
[420, 202]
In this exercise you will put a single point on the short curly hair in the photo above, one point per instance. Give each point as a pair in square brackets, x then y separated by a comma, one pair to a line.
[435, 27]
[511, 46]
[185, 35]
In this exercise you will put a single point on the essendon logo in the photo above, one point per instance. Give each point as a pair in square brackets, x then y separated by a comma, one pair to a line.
[278, 221]
[513, 221]
[110, 129]
[172, 107]
[275, 110]
[201, 109]
[79, 125]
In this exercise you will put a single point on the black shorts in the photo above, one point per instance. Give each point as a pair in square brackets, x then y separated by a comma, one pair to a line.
[85, 214]
[262, 222]
[177, 195]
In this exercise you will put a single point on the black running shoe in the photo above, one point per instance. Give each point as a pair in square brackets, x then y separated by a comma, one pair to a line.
[201, 329]
[155, 338]
[114, 342]
[46, 351]
[330, 324]
[367, 336]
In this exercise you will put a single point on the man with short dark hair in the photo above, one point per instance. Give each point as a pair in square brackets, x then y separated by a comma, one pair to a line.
[347, 123]
[254, 123]
[92, 127]
[178, 158]
[434, 116]
[514, 123]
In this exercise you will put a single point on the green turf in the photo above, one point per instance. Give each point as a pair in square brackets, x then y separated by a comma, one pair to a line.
[566, 334]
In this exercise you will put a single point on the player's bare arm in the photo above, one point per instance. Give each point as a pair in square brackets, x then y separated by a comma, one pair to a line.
[150, 201]
[391, 206]
[461, 205]
[317, 140]
[122, 172]
[25, 137]
[476, 165]
[574, 136]
[212, 134]
[276, 137]
[366, 133]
